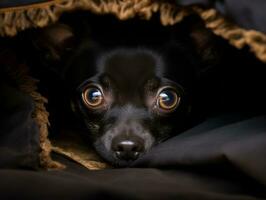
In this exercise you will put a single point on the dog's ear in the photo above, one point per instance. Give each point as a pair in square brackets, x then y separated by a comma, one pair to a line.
[208, 46]
[54, 42]
[211, 51]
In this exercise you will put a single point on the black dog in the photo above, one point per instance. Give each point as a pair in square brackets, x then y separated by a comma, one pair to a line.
[128, 105]
[130, 95]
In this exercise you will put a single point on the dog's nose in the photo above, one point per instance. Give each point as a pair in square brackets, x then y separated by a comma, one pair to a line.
[127, 149]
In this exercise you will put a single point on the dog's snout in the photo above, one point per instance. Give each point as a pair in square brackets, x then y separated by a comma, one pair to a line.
[127, 149]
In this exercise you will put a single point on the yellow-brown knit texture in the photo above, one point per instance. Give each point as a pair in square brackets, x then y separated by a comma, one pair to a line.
[28, 85]
[14, 20]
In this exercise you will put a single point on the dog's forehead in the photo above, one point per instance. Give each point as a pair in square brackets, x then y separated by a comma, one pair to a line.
[131, 66]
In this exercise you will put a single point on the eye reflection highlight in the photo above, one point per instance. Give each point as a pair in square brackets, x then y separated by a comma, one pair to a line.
[168, 99]
[93, 97]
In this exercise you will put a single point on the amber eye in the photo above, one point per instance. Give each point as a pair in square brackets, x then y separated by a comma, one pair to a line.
[93, 97]
[168, 99]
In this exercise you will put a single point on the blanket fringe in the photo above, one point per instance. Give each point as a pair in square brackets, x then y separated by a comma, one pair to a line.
[236, 36]
[13, 20]
[28, 85]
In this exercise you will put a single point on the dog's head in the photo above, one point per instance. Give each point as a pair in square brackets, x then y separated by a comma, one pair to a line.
[129, 98]
[128, 105]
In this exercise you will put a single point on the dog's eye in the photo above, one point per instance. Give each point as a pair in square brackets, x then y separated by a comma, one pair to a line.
[93, 97]
[168, 99]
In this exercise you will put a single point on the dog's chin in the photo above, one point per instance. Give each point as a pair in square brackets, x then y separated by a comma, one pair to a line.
[109, 157]
[122, 163]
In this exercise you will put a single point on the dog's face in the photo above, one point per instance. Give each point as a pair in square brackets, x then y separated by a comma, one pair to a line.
[127, 105]
[129, 98]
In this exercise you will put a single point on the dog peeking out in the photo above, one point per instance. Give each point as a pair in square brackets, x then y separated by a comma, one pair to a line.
[128, 105]
[131, 85]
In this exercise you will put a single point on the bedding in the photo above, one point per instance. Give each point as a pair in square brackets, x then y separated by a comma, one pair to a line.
[223, 157]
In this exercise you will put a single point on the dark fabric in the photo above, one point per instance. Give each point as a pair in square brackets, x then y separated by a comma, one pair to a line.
[247, 14]
[117, 184]
[19, 135]
[223, 158]
[16, 3]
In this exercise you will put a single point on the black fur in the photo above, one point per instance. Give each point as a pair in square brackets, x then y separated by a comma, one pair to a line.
[131, 64]
[130, 77]
[131, 61]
